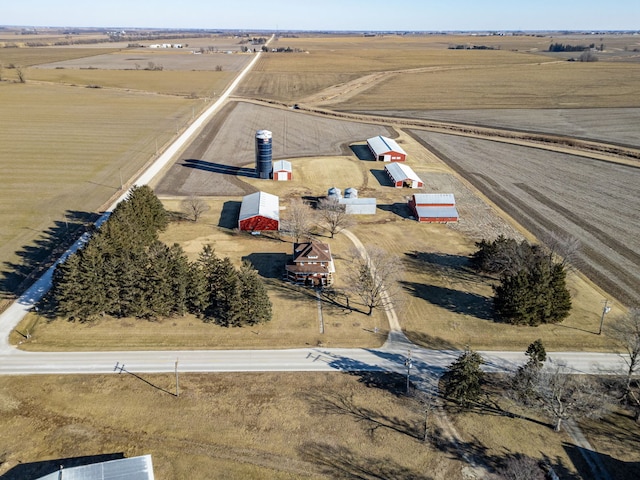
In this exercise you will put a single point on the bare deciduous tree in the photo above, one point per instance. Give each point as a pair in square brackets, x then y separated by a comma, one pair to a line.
[21, 74]
[626, 333]
[297, 220]
[563, 249]
[373, 278]
[563, 395]
[333, 216]
[194, 207]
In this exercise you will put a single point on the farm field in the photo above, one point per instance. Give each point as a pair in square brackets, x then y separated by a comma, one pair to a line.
[248, 425]
[613, 125]
[593, 201]
[223, 156]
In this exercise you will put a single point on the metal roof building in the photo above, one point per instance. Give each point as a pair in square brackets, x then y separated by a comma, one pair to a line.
[282, 170]
[359, 206]
[434, 207]
[402, 175]
[135, 468]
[259, 211]
[386, 149]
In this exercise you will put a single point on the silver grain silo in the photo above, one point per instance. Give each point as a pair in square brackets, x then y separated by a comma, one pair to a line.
[263, 154]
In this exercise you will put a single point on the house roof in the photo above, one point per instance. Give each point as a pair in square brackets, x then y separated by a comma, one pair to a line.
[282, 165]
[262, 204]
[135, 468]
[311, 252]
[401, 171]
[381, 145]
[434, 199]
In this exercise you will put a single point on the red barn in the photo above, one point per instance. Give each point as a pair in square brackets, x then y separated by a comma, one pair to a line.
[386, 149]
[260, 211]
[402, 175]
[434, 207]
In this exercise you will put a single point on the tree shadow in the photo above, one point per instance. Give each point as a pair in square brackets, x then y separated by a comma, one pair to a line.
[268, 265]
[590, 464]
[219, 168]
[456, 301]
[373, 419]
[457, 267]
[429, 341]
[229, 214]
[35, 259]
[363, 152]
[399, 208]
[338, 461]
[47, 467]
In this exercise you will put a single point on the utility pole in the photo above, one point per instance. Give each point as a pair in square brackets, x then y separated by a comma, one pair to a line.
[408, 364]
[177, 383]
[605, 309]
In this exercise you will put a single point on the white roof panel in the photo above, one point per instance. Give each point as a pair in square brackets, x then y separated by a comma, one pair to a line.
[437, 212]
[260, 203]
[435, 198]
[135, 468]
[401, 171]
[382, 145]
[282, 165]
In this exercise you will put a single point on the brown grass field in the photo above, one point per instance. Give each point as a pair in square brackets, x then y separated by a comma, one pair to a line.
[232, 426]
[71, 144]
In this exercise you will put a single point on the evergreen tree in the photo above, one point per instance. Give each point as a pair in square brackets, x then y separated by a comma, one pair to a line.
[255, 305]
[534, 295]
[463, 378]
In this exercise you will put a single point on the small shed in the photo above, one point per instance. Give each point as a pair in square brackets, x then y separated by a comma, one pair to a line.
[434, 207]
[402, 175]
[386, 149]
[359, 206]
[282, 171]
[260, 211]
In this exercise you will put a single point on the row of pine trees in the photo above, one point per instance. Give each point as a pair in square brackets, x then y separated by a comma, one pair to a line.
[126, 271]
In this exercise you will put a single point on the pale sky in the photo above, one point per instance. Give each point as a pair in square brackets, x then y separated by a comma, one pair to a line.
[392, 15]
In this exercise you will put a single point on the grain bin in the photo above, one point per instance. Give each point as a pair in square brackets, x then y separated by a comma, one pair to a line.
[263, 154]
[334, 193]
[351, 193]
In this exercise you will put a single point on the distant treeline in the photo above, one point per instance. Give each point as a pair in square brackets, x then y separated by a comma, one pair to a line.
[561, 47]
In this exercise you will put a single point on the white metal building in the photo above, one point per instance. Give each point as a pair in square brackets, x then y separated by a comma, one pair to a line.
[134, 468]
[359, 206]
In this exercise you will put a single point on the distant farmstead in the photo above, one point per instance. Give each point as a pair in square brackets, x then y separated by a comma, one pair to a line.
[282, 170]
[260, 211]
[311, 265]
[402, 175]
[386, 149]
[434, 207]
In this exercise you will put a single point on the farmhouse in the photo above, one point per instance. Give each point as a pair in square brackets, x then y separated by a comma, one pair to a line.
[260, 211]
[403, 176]
[434, 207]
[282, 170]
[311, 265]
[386, 149]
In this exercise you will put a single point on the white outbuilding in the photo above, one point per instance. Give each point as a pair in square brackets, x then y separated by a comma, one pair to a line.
[386, 149]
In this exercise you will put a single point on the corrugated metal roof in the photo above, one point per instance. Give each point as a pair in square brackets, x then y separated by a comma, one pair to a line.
[435, 198]
[381, 145]
[135, 468]
[282, 165]
[401, 171]
[260, 203]
[437, 212]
